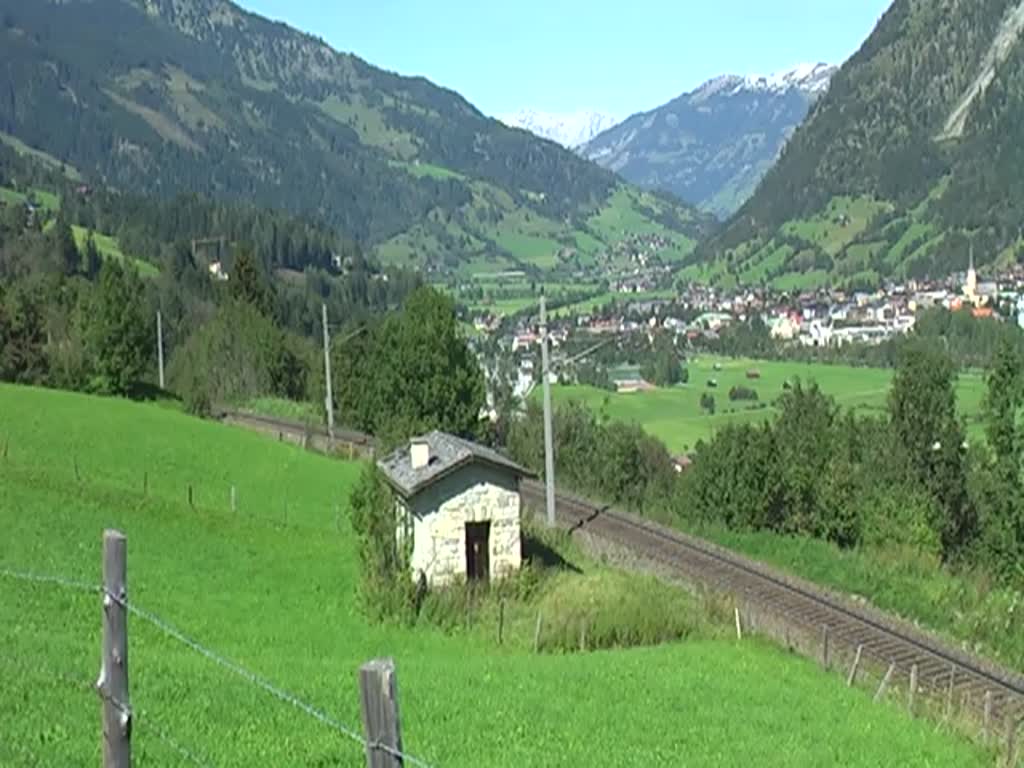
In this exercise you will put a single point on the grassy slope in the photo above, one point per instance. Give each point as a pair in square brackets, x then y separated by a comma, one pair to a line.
[46, 159]
[109, 248]
[278, 598]
[675, 416]
[500, 234]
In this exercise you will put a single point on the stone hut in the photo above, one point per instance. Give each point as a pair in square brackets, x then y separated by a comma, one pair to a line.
[459, 503]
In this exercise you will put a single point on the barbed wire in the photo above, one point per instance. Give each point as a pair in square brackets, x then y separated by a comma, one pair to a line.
[141, 718]
[211, 655]
[41, 578]
[261, 682]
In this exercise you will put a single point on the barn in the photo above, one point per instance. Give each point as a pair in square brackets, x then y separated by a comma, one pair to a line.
[459, 503]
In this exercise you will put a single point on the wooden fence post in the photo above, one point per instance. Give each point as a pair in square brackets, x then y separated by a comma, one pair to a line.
[852, 678]
[112, 685]
[501, 619]
[987, 722]
[885, 682]
[536, 632]
[949, 693]
[912, 690]
[1012, 726]
[825, 660]
[378, 686]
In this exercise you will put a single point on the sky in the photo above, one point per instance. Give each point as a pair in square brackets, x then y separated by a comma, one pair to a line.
[564, 55]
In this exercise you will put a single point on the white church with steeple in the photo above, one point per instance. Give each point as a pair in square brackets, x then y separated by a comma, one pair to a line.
[971, 283]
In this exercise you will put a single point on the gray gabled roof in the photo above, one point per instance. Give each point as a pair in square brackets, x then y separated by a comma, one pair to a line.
[447, 453]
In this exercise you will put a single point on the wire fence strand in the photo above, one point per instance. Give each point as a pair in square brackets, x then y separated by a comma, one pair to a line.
[42, 578]
[262, 683]
[143, 721]
[211, 655]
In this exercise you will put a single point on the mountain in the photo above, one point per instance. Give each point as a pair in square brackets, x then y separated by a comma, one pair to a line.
[911, 160]
[572, 129]
[712, 146]
[163, 96]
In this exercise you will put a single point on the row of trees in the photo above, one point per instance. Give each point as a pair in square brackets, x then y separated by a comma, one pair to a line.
[908, 478]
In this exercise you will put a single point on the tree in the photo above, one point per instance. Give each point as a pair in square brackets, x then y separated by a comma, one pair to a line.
[707, 402]
[63, 240]
[91, 260]
[249, 284]
[1002, 403]
[22, 338]
[999, 490]
[922, 412]
[411, 373]
[118, 333]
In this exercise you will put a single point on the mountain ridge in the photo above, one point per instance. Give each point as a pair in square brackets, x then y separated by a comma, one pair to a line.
[874, 185]
[203, 96]
[712, 145]
[570, 129]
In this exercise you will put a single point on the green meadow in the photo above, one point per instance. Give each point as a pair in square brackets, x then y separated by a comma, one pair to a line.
[271, 587]
[674, 415]
[109, 248]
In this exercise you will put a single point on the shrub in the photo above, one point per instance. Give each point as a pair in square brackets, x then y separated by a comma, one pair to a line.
[615, 609]
[386, 590]
[707, 402]
[742, 393]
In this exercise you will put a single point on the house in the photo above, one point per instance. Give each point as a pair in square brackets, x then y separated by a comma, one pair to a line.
[458, 508]
[217, 271]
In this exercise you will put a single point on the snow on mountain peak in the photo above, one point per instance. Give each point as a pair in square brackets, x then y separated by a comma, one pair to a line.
[807, 77]
[812, 78]
[570, 129]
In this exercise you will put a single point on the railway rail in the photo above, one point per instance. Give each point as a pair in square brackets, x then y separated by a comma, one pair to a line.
[783, 600]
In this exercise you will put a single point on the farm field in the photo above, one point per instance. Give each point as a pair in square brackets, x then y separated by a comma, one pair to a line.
[271, 588]
[674, 415]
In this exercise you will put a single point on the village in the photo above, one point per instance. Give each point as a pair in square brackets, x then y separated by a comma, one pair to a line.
[697, 315]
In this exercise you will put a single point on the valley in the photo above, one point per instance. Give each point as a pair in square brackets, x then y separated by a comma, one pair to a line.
[780, 319]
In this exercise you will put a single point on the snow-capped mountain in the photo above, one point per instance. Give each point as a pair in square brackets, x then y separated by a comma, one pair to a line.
[713, 145]
[571, 129]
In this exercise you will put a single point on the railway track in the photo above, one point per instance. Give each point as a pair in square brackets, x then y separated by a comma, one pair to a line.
[941, 668]
[801, 605]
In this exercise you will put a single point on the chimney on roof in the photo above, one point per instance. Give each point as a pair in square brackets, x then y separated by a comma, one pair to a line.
[419, 453]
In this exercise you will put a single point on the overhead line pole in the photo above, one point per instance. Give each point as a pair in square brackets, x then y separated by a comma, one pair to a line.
[160, 346]
[549, 450]
[329, 399]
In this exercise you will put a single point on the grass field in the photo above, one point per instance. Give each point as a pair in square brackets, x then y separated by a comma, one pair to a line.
[674, 415]
[109, 248]
[271, 587]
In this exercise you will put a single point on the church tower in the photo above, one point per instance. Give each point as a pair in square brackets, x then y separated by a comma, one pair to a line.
[971, 284]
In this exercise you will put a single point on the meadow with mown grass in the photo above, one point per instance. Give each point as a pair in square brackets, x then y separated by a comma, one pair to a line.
[271, 586]
[674, 414]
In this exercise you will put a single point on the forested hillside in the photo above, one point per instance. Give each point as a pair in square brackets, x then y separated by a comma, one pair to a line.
[84, 270]
[911, 156]
[198, 95]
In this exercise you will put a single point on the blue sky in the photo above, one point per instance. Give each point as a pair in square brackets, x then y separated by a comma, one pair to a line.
[563, 55]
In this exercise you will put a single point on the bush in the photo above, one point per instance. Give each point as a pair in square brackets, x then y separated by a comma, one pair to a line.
[615, 609]
[240, 354]
[707, 402]
[386, 589]
[742, 393]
